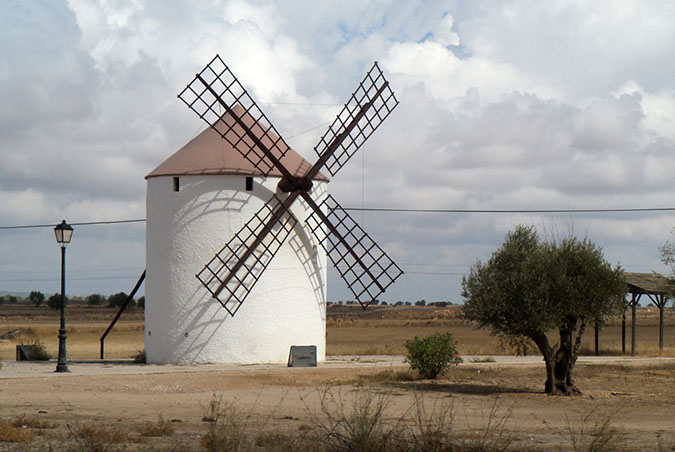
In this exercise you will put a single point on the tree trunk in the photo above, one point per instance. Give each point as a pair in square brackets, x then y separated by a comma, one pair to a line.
[565, 357]
[573, 362]
[548, 353]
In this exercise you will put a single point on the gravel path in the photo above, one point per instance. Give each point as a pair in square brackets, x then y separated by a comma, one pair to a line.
[27, 369]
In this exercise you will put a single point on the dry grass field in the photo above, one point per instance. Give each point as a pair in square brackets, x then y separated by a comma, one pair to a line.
[380, 330]
[475, 406]
[383, 330]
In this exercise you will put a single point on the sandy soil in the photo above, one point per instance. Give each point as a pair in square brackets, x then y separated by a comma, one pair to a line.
[637, 394]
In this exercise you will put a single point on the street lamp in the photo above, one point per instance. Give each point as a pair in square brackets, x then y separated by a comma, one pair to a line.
[63, 233]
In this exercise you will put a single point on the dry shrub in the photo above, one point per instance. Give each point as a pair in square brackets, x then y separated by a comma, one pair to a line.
[360, 421]
[432, 426]
[354, 421]
[25, 421]
[160, 427]
[95, 438]
[484, 359]
[277, 441]
[663, 445]
[493, 435]
[593, 432]
[386, 376]
[227, 427]
[230, 429]
[11, 434]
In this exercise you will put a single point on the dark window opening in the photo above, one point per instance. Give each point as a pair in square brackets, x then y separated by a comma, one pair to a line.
[176, 184]
[249, 183]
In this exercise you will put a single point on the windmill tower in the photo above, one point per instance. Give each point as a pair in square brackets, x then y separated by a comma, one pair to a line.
[239, 228]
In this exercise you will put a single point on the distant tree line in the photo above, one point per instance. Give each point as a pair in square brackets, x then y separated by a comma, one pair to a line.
[37, 299]
[397, 303]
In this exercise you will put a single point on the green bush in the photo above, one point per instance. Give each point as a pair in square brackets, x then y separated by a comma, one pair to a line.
[432, 355]
[139, 357]
[40, 352]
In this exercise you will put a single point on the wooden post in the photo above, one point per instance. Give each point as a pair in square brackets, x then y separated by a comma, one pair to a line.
[661, 305]
[634, 303]
[623, 332]
[660, 301]
[597, 339]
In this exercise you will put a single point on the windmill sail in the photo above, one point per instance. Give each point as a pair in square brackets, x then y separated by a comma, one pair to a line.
[218, 98]
[234, 270]
[216, 91]
[369, 105]
[362, 264]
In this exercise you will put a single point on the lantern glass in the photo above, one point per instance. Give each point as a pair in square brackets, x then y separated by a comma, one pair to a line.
[63, 233]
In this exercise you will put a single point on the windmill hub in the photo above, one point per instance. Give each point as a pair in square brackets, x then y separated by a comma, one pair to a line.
[297, 183]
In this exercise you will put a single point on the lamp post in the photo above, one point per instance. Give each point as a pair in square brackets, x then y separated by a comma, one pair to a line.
[63, 233]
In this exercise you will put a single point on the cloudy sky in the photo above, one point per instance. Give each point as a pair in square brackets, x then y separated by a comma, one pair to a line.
[515, 105]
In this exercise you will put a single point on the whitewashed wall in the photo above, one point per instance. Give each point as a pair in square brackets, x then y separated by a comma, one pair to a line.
[185, 229]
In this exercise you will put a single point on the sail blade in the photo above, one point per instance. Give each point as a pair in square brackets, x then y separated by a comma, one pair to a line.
[362, 264]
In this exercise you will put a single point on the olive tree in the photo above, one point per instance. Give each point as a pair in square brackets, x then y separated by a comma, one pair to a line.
[36, 297]
[668, 258]
[668, 253]
[529, 288]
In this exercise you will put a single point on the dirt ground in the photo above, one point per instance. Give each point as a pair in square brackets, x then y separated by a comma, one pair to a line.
[503, 398]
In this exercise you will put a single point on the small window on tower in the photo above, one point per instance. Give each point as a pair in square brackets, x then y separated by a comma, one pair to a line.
[176, 184]
[249, 183]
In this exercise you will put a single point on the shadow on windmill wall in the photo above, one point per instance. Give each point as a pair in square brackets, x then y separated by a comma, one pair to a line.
[219, 190]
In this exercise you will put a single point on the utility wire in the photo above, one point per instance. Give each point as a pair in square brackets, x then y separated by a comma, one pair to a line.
[637, 209]
[400, 210]
[93, 278]
[86, 223]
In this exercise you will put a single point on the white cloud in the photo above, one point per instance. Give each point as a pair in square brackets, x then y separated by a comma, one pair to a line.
[503, 105]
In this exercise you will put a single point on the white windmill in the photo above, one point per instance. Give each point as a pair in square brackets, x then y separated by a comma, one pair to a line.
[238, 183]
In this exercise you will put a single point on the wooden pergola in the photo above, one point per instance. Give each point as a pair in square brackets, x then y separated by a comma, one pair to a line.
[658, 289]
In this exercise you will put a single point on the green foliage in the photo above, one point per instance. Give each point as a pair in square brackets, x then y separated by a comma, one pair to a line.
[117, 300]
[141, 302]
[668, 258]
[139, 357]
[668, 252]
[37, 298]
[431, 356]
[39, 351]
[529, 287]
[95, 299]
[54, 301]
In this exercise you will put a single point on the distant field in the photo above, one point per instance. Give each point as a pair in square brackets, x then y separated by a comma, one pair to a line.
[380, 330]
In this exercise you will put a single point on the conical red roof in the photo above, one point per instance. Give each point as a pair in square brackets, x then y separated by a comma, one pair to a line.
[209, 154]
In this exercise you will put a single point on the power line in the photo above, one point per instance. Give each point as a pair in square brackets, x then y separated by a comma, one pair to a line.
[312, 104]
[398, 210]
[630, 209]
[91, 278]
[86, 223]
